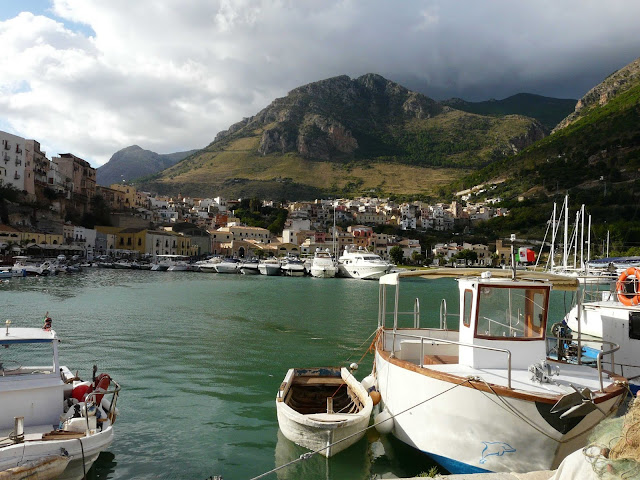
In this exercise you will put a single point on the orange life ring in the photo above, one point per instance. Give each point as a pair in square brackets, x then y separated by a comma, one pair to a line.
[628, 298]
[101, 385]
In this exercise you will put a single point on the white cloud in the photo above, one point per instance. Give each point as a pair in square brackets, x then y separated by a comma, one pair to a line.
[169, 75]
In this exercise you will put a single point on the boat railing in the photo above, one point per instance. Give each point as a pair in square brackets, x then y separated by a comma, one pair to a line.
[434, 340]
[111, 414]
[613, 347]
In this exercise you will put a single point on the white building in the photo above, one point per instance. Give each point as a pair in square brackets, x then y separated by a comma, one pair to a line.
[12, 160]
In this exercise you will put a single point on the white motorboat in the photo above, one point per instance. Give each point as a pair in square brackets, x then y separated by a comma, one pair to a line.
[228, 265]
[292, 267]
[208, 266]
[23, 264]
[249, 267]
[487, 398]
[47, 412]
[362, 264]
[122, 264]
[270, 267]
[612, 316]
[323, 409]
[323, 265]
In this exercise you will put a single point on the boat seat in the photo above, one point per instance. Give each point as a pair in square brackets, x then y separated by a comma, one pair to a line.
[440, 359]
[331, 417]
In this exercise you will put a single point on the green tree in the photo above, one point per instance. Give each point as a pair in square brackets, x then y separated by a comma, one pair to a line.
[396, 254]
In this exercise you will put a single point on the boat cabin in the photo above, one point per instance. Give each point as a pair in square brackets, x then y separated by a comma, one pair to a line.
[502, 322]
[500, 313]
[33, 392]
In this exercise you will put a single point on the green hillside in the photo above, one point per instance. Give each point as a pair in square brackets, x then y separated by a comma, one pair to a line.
[548, 111]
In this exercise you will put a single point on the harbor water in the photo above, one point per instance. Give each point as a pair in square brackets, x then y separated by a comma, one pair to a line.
[200, 358]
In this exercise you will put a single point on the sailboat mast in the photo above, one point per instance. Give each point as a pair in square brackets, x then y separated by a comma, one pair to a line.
[553, 235]
[565, 256]
[589, 240]
[582, 237]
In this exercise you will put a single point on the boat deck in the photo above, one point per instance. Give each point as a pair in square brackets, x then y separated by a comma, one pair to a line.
[521, 379]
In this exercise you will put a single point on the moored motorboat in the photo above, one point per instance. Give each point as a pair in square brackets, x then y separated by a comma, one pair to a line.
[492, 378]
[47, 410]
[292, 267]
[323, 265]
[323, 409]
[249, 267]
[358, 263]
[228, 265]
[270, 267]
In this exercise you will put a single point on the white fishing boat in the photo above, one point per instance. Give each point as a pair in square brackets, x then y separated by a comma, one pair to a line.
[122, 264]
[209, 265]
[47, 412]
[249, 267]
[486, 397]
[228, 265]
[359, 263]
[323, 265]
[270, 267]
[292, 267]
[612, 316]
[323, 409]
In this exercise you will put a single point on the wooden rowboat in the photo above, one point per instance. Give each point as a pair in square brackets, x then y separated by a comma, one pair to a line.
[323, 409]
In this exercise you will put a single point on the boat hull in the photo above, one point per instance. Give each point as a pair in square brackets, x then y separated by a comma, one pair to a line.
[35, 451]
[495, 439]
[323, 271]
[364, 272]
[271, 270]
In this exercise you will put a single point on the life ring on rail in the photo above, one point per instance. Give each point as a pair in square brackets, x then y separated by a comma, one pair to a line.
[101, 385]
[629, 298]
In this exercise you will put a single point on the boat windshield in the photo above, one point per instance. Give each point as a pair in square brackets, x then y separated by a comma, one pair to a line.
[17, 358]
[512, 312]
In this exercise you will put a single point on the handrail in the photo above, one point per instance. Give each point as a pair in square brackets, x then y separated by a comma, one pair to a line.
[599, 363]
[416, 313]
[452, 342]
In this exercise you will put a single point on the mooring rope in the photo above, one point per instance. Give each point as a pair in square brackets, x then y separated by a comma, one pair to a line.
[308, 455]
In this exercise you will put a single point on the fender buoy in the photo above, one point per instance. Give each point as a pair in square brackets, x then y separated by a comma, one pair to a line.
[383, 422]
[629, 298]
[80, 391]
[375, 397]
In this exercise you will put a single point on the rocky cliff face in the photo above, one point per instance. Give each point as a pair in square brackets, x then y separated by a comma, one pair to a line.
[601, 94]
[318, 120]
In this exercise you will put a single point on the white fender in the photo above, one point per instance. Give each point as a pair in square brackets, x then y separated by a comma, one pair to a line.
[383, 422]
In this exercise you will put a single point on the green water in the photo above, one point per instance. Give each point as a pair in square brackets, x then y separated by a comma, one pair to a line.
[200, 358]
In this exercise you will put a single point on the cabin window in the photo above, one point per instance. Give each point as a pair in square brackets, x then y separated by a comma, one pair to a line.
[512, 312]
[468, 298]
[634, 325]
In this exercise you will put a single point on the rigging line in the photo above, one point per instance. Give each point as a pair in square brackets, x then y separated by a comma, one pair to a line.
[360, 346]
[306, 456]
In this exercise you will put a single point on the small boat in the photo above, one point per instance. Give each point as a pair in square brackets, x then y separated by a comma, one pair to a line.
[323, 409]
[292, 267]
[122, 264]
[270, 266]
[323, 265]
[48, 411]
[5, 274]
[228, 265]
[249, 267]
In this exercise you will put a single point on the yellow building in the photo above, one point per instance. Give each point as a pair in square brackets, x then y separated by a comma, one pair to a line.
[132, 199]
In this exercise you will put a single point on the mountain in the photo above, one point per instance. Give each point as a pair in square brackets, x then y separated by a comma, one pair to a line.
[134, 162]
[593, 154]
[548, 111]
[343, 136]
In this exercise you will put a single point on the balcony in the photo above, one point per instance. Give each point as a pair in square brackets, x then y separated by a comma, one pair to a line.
[16, 176]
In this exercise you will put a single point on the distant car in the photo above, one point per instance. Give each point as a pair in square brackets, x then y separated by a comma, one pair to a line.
[75, 257]
[62, 258]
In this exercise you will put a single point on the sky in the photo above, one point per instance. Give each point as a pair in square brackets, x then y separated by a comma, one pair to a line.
[91, 77]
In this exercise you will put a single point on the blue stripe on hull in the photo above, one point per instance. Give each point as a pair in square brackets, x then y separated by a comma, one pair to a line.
[456, 467]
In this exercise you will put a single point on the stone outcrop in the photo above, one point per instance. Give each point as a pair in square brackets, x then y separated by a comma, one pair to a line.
[602, 94]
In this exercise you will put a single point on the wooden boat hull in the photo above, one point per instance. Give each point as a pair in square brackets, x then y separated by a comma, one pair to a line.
[319, 431]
